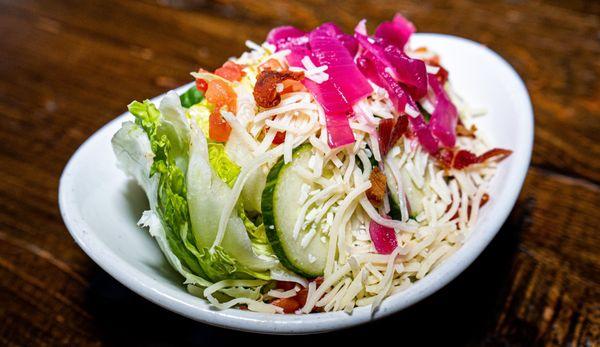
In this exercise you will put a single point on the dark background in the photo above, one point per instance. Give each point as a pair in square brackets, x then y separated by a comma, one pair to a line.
[68, 67]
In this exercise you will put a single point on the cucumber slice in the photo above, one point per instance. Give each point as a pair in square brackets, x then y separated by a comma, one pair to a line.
[281, 208]
[414, 196]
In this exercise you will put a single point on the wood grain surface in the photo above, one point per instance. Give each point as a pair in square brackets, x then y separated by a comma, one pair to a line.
[68, 67]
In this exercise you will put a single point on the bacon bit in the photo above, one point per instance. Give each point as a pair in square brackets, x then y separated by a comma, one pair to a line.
[243, 307]
[385, 134]
[442, 73]
[400, 129]
[376, 193]
[463, 158]
[279, 138]
[390, 131]
[231, 71]
[271, 64]
[289, 305]
[460, 159]
[498, 153]
[265, 89]
[433, 60]
[461, 130]
[290, 86]
[484, 199]
[285, 285]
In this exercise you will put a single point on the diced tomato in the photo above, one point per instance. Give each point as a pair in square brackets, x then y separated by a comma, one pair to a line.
[201, 85]
[285, 285]
[301, 297]
[279, 138]
[303, 293]
[218, 128]
[289, 305]
[230, 71]
[220, 94]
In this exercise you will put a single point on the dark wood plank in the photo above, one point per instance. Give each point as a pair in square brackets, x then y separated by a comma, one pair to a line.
[69, 66]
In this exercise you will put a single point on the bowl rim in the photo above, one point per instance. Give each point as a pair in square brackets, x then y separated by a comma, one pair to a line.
[180, 301]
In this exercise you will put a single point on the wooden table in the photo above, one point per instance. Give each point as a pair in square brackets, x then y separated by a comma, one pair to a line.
[68, 67]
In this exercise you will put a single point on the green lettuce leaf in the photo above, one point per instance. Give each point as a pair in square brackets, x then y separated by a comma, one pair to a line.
[155, 150]
[206, 196]
[257, 234]
[251, 195]
[224, 167]
[200, 113]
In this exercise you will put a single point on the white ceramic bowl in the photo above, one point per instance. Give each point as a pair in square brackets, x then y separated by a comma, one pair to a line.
[100, 206]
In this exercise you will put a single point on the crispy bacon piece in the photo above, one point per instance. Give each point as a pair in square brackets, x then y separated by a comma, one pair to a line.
[390, 131]
[461, 130]
[385, 134]
[461, 158]
[265, 90]
[285, 285]
[271, 64]
[442, 73]
[484, 199]
[376, 193]
[497, 153]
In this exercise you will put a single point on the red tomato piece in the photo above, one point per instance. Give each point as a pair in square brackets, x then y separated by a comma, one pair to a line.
[201, 85]
[301, 297]
[230, 71]
[220, 94]
[218, 128]
[289, 305]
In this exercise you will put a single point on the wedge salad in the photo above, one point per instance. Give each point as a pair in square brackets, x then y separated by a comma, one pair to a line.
[319, 171]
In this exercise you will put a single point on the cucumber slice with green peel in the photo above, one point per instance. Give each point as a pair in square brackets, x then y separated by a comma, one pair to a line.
[281, 208]
[414, 196]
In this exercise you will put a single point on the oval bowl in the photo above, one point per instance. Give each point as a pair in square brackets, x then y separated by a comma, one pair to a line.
[100, 206]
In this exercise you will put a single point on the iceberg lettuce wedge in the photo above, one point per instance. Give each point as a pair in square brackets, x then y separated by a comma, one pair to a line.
[160, 153]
